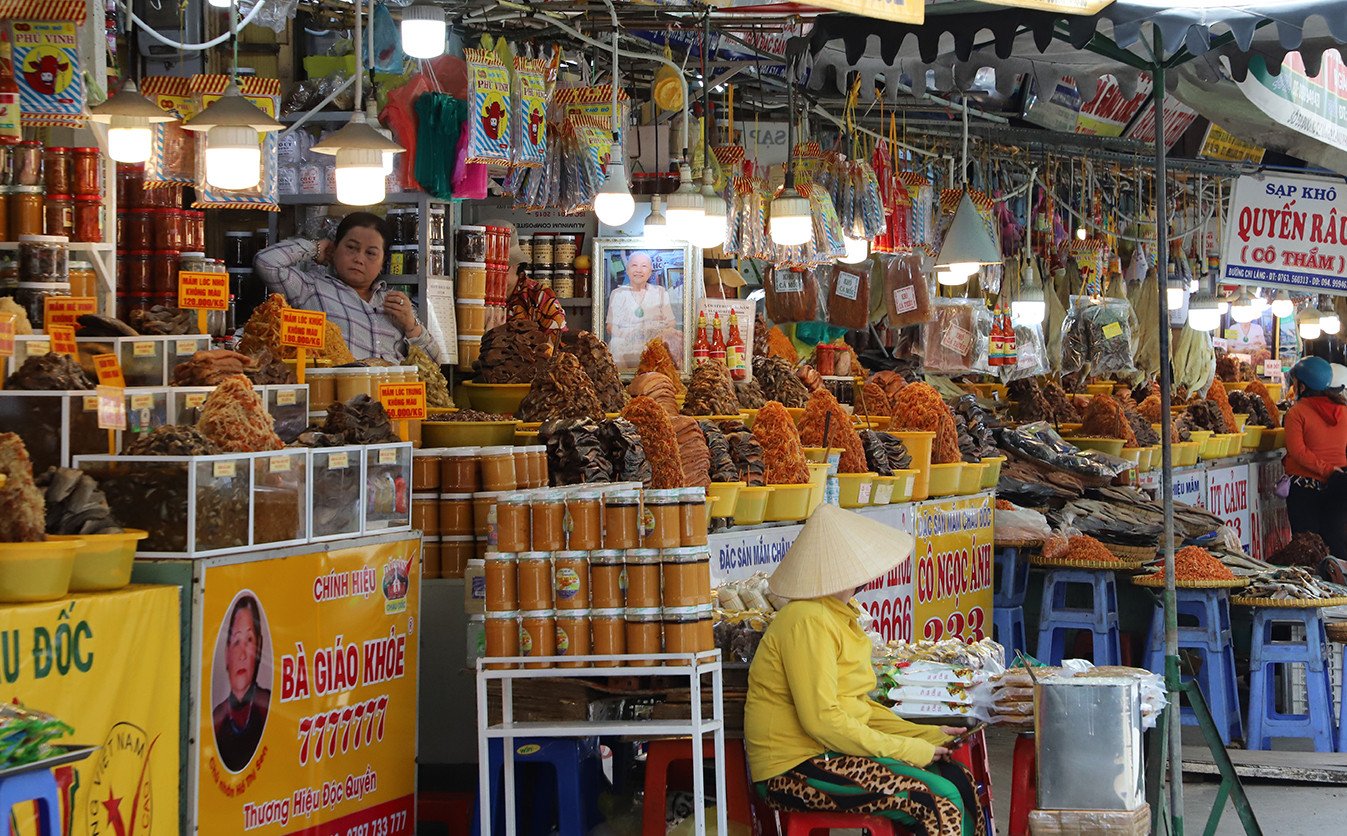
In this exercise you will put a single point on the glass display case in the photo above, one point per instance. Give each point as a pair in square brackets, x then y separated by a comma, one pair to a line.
[54, 426]
[388, 481]
[145, 360]
[337, 480]
[281, 497]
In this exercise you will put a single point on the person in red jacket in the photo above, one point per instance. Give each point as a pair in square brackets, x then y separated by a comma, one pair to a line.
[1316, 455]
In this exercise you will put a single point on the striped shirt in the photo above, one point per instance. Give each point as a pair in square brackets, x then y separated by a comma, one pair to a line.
[289, 268]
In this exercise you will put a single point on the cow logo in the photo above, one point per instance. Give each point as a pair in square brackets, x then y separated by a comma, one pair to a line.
[120, 801]
[495, 117]
[395, 585]
[47, 70]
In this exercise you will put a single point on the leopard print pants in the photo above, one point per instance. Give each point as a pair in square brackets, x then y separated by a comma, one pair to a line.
[936, 801]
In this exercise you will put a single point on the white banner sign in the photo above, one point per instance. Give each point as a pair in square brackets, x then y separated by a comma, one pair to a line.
[1228, 498]
[1190, 487]
[1287, 231]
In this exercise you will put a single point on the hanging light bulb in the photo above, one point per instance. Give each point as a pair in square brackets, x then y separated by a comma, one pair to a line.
[423, 31]
[231, 122]
[372, 117]
[792, 222]
[1204, 313]
[656, 225]
[1242, 309]
[685, 209]
[1175, 291]
[219, 4]
[715, 214]
[1223, 305]
[1329, 322]
[858, 250]
[1029, 309]
[129, 117]
[359, 150]
[967, 244]
[1260, 302]
[614, 204]
[1081, 232]
[949, 278]
[1308, 324]
[1282, 306]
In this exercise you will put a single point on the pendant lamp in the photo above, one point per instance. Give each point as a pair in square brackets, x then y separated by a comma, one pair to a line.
[1204, 313]
[129, 117]
[685, 209]
[656, 225]
[232, 124]
[858, 250]
[1030, 308]
[967, 245]
[424, 30]
[1307, 324]
[359, 150]
[614, 204]
[1282, 306]
[1242, 309]
[715, 214]
[1329, 322]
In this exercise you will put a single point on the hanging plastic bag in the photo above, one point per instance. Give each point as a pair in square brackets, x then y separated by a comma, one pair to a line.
[530, 111]
[906, 295]
[791, 295]
[173, 155]
[955, 340]
[1031, 354]
[489, 108]
[388, 56]
[849, 298]
[1097, 337]
[470, 179]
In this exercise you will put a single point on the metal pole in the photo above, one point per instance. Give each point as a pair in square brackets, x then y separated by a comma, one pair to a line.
[1172, 680]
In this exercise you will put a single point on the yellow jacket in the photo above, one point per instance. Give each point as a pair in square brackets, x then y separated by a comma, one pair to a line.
[808, 693]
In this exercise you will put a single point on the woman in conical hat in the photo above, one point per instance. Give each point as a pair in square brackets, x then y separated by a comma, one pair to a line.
[815, 739]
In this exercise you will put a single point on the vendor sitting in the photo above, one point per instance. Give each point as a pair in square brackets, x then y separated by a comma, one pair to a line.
[340, 277]
[815, 739]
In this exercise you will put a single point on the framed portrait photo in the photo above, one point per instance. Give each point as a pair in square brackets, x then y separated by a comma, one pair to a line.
[645, 291]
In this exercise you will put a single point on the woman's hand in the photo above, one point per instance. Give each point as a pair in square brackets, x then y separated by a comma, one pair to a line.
[941, 753]
[952, 731]
[399, 309]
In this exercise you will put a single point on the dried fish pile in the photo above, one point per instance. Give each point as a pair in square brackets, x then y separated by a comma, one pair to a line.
[975, 426]
[1040, 442]
[513, 353]
[172, 440]
[1115, 509]
[1035, 485]
[50, 372]
[561, 390]
[1291, 583]
[1253, 406]
[75, 505]
[93, 325]
[597, 361]
[361, 420]
[749, 395]
[162, 320]
[779, 382]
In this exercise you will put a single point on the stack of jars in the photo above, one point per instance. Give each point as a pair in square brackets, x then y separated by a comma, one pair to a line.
[601, 570]
[551, 256]
[154, 234]
[50, 191]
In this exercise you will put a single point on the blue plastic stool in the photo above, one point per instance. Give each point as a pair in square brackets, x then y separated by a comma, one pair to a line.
[1208, 643]
[1342, 709]
[40, 786]
[1010, 585]
[1265, 722]
[1100, 619]
[572, 799]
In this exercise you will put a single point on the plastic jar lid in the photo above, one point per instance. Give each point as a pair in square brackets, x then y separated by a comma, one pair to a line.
[43, 239]
[643, 555]
[643, 614]
[606, 556]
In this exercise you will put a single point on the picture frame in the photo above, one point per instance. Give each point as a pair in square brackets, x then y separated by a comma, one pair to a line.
[669, 275]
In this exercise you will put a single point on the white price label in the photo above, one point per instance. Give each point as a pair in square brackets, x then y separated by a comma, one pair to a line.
[957, 339]
[338, 461]
[848, 286]
[786, 281]
[223, 470]
[279, 464]
[905, 299]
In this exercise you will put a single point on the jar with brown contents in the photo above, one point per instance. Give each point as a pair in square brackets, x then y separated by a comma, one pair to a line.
[584, 528]
[459, 471]
[537, 635]
[644, 634]
[608, 632]
[512, 522]
[502, 585]
[572, 636]
[484, 521]
[534, 570]
[607, 579]
[497, 464]
[692, 516]
[680, 632]
[621, 519]
[426, 513]
[430, 556]
[706, 632]
[643, 578]
[685, 576]
[549, 520]
[502, 636]
[455, 552]
[425, 463]
[659, 520]
[570, 573]
[456, 515]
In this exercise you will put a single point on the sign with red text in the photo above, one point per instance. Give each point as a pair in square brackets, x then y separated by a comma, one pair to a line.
[1179, 117]
[63, 340]
[306, 718]
[1228, 498]
[888, 600]
[952, 569]
[198, 291]
[65, 310]
[303, 329]
[1287, 231]
[403, 401]
[109, 370]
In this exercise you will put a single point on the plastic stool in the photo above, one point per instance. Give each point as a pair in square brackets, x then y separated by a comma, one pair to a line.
[1023, 783]
[1209, 642]
[1342, 709]
[453, 810]
[1265, 722]
[662, 754]
[1100, 620]
[1010, 584]
[804, 824]
[37, 786]
[973, 755]
[573, 796]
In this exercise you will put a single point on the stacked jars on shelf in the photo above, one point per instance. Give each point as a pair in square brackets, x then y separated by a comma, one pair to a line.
[154, 235]
[551, 257]
[51, 191]
[404, 252]
[482, 286]
[597, 570]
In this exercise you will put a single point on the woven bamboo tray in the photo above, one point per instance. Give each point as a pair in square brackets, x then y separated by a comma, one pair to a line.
[1017, 544]
[1337, 631]
[1134, 552]
[1154, 582]
[1122, 565]
[1288, 603]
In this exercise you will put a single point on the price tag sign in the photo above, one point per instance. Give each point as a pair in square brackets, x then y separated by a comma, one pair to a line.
[303, 329]
[63, 340]
[109, 370]
[1272, 368]
[224, 470]
[111, 408]
[65, 310]
[194, 400]
[403, 401]
[1112, 331]
[203, 291]
[286, 397]
[7, 333]
[279, 464]
[388, 457]
[338, 461]
[142, 349]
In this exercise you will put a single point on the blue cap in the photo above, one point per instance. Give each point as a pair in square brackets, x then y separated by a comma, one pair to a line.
[1314, 373]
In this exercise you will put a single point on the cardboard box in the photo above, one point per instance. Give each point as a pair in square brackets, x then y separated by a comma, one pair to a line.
[1088, 822]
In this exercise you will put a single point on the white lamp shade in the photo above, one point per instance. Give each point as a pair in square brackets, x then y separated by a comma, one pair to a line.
[951, 278]
[219, 4]
[1028, 312]
[714, 225]
[858, 250]
[423, 31]
[1204, 319]
[1174, 297]
[1330, 323]
[1242, 309]
[1282, 306]
[791, 223]
[1260, 303]
[233, 157]
[614, 204]
[967, 241]
[130, 139]
[1310, 330]
[1223, 307]
[360, 176]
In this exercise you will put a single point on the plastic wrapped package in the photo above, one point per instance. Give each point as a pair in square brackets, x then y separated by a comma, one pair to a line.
[1040, 442]
[1091, 822]
[954, 340]
[489, 115]
[791, 295]
[849, 297]
[1020, 524]
[1031, 354]
[1097, 337]
[907, 296]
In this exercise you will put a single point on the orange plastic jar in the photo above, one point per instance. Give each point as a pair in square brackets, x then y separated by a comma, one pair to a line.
[659, 520]
[643, 578]
[497, 466]
[584, 515]
[502, 636]
[608, 631]
[537, 456]
[484, 522]
[621, 519]
[459, 471]
[523, 472]
[643, 634]
[549, 520]
[456, 515]
[607, 579]
[534, 570]
[430, 557]
[537, 635]
[572, 635]
[455, 552]
[692, 522]
[680, 631]
[426, 513]
[426, 469]
[512, 523]
[502, 582]
[706, 629]
[685, 576]
[570, 576]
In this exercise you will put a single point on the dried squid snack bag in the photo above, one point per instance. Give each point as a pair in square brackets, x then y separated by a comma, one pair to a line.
[907, 296]
[1031, 354]
[173, 155]
[489, 108]
[828, 237]
[871, 204]
[530, 111]
[265, 93]
[921, 197]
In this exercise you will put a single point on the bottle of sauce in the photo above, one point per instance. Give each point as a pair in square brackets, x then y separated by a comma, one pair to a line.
[701, 347]
[996, 345]
[717, 341]
[735, 357]
[10, 132]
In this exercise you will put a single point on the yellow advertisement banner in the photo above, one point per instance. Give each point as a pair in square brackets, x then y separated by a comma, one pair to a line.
[1220, 144]
[952, 576]
[108, 665]
[307, 694]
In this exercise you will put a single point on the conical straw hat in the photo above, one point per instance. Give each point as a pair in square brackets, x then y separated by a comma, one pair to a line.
[838, 551]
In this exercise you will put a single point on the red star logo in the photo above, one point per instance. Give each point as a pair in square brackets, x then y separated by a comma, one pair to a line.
[113, 806]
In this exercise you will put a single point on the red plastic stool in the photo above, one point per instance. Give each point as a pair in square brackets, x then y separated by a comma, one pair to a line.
[804, 824]
[1023, 783]
[973, 755]
[660, 755]
[451, 809]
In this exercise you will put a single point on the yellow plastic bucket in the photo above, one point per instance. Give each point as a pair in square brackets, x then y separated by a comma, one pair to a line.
[788, 502]
[855, 489]
[103, 561]
[31, 572]
[751, 507]
[918, 446]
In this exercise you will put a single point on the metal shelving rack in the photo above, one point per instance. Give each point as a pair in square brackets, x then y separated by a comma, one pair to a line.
[693, 666]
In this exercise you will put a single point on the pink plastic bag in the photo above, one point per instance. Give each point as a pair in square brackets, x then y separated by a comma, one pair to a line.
[470, 179]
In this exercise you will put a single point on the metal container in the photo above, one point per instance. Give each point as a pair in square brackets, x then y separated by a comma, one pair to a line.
[1089, 742]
